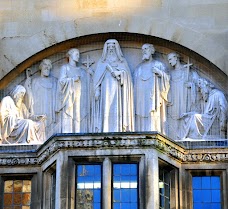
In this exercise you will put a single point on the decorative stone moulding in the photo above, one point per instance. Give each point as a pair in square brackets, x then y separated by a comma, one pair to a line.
[67, 142]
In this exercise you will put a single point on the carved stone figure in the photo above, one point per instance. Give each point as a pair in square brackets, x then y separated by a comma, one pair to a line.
[112, 109]
[72, 91]
[44, 95]
[183, 92]
[17, 124]
[212, 122]
[151, 90]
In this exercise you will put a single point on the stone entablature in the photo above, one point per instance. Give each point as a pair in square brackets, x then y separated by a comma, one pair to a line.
[36, 155]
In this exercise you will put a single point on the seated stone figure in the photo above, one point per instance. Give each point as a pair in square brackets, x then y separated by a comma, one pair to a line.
[17, 125]
[211, 123]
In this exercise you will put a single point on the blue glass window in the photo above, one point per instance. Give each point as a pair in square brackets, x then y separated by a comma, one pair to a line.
[88, 191]
[125, 186]
[206, 192]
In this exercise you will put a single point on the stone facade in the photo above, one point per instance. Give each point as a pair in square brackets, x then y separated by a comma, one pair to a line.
[31, 31]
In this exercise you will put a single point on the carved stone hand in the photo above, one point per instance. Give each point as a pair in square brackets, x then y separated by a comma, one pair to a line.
[156, 71]
[117, 74]
[76, 78]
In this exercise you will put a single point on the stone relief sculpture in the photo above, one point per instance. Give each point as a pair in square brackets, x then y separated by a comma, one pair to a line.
[112, 108]
[17, 124]
[183, 92]
[44, 95]
[72, 91]
[212, 121]
[106, 99]
[151, 87]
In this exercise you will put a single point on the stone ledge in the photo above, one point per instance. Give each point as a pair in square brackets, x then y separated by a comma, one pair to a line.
[38, 154]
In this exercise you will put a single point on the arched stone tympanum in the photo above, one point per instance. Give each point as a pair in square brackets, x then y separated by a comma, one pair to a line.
[200, 79]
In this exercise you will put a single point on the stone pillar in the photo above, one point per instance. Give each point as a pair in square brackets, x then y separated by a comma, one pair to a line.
[107, 184]
[152, 179]
[62, 181]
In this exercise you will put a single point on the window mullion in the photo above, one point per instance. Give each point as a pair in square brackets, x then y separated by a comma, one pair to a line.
[107, 184]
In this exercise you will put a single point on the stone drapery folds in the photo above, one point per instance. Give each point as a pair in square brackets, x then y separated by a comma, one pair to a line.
[17, 124]
[112, 109]
[115, 96]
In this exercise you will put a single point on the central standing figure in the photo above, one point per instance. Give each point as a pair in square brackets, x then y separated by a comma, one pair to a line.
[113, 92]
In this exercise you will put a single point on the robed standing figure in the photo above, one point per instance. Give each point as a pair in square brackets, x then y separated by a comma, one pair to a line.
[151, 87]
[72, 91]
[112, 108]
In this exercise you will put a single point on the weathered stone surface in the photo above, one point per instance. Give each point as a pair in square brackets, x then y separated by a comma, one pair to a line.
[24, 22]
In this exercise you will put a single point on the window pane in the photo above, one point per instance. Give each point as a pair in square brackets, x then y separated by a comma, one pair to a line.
[125, 186]
[8, 199]
[206, 192]
[17, 185]
[8, 186]
[206, 182]
[26, 199]
[126, 195]
[134, 205]
[17, 194]
[164, 188]
[17, 199]
[197, 196]
[116, 195]
[126, 206]
[196, 183]
[206, 206]
[88, 191]
[134, 169]
[215, 206]
[134, 195]
[26, 186]
[125, 169]
[25, 207]
[215, 182]
[198, 206]
[206, 196]
[116, 205]
[215, 195]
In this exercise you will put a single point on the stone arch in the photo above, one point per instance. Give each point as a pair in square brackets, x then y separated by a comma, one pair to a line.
[28, 46]
[54, 46]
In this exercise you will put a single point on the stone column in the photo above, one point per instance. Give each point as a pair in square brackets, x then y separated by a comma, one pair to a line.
[152, 179]
[107, 184]
[62, 181]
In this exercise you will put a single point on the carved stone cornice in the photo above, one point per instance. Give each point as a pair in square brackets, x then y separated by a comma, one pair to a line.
[206, 157]
[114, 141]
[23, 161]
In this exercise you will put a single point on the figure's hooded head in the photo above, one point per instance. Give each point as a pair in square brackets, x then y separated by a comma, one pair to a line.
[18, 94]
[112, 45]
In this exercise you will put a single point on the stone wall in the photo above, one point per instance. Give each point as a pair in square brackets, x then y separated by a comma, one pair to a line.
[28, 27]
